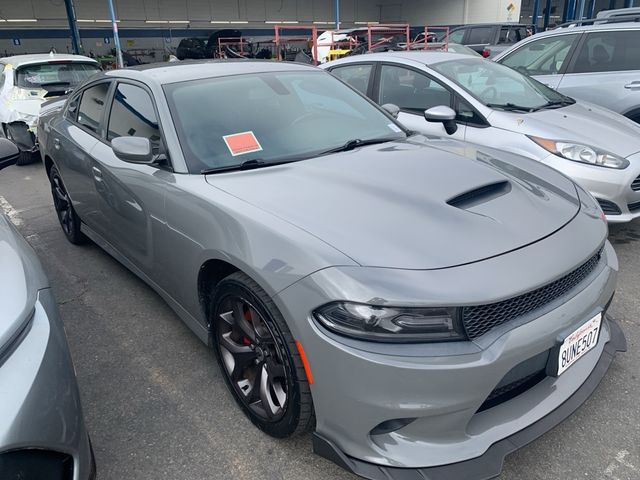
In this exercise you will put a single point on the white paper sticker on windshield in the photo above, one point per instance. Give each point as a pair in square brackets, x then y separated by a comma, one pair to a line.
[242, 143]
[394, 127]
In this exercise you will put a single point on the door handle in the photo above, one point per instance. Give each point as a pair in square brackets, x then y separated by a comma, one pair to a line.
[635, 85]
[97, 174]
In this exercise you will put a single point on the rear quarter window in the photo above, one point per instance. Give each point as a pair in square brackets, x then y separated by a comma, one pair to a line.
[92, 107]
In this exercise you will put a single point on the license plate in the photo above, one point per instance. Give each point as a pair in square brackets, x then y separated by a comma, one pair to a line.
[578, 343]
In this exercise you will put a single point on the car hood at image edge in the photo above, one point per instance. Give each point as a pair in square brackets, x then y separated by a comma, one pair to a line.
[386, 205]
[581, 122]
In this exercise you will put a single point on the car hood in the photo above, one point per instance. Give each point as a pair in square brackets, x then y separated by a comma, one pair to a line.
[581, 122]
[411, 205]
[21, 277]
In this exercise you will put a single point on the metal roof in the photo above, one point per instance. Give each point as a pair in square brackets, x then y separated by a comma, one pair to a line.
[19, 60]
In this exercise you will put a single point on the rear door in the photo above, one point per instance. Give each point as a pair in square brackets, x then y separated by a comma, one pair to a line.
[545, 58]
[606, 70]
[414, 91]
[71, 143]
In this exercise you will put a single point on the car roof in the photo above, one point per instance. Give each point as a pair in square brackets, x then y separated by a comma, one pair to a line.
[172, 72]
[426, 58]
[620, 25]
[491, 24]
[20, 60]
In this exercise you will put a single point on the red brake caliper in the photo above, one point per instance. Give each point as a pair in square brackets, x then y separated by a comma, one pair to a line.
[247, 316]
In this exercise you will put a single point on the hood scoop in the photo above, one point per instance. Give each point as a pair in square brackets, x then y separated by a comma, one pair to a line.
[480, 195]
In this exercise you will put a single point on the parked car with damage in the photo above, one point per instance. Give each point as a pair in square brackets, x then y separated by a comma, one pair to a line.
[593, 60]
[366, 283]
[26, 81]
[42, 430]
[482, 102]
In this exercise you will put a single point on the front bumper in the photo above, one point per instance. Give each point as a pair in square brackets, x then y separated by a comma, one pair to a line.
[41, 411]
[606, 184]
[358, 386]
[488, 465]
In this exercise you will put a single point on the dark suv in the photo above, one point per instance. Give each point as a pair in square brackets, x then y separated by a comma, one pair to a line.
[489, 38]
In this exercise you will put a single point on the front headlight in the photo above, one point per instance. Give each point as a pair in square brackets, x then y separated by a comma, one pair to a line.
[392, 324]
[581, 153]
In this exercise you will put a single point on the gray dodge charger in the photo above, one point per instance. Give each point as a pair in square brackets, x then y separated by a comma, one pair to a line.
[427, 307]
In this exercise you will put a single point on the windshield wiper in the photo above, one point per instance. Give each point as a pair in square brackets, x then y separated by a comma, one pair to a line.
[246, 165]
[557, 103]
[511, 107]
[357, 142]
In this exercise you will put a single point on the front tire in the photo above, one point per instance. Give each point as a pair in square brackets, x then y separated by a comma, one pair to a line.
[259, 359]
[67, 216]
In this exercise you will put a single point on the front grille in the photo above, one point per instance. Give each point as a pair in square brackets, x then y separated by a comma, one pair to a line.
[635, 185]
[512, 390]
[634, 206]
[609, 208]
[479, 319]
[518, 380]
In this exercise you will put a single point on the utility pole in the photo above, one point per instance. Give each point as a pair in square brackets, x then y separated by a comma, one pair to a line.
[73, 27]
[337, 8]
[116, 37]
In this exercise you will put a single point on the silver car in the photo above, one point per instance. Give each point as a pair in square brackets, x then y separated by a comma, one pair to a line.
[427, 308]
[496, 106]
[599, 63]
[42, 431]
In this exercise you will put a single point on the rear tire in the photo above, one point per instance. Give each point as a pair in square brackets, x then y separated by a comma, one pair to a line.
[67, 216]
[244, 320]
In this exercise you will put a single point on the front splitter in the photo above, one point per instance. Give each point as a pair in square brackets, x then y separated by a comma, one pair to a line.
[488, 465]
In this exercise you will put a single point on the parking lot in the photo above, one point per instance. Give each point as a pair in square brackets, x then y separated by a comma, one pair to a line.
[157, 407]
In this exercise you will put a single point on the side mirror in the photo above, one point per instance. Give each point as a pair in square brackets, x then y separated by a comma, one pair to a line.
[132, 149]
[9, 153]
[443, 114]
[391, 109]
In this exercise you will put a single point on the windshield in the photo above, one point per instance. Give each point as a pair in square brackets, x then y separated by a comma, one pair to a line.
[58, 73]
[498, 86]
[270, 117]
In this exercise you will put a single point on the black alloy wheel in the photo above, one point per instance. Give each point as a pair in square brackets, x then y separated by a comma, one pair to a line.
[258, 357]
[67, 216]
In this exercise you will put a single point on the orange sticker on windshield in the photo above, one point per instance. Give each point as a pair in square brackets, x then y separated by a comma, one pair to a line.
[241, 143]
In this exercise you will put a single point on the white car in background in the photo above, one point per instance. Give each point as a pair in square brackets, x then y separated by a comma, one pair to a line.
[26, 82]
[485, 103]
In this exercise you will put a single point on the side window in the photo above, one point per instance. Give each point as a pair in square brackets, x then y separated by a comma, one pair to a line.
[356, 76]
[541, 57]
[609, 52]
[466, 114]
[72, 108]
[1, 76]
[132, 114]
[456, 36]
[510, 35]
[480, 36]
[92, 106]
[411, 90]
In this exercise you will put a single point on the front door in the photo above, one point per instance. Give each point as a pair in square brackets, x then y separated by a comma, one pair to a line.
[132, 195]
[414, 92]
[544, 59]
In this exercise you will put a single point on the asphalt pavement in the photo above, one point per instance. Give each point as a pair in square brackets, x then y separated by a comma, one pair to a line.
[157, 407]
